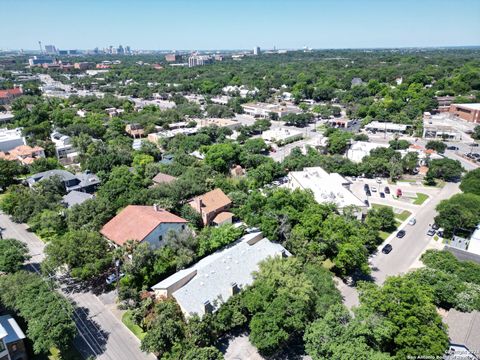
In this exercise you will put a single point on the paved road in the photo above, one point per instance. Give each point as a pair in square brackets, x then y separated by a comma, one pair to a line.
[101, 334]
[408, 249]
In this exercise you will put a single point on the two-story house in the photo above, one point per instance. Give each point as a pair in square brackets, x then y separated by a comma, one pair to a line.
[213, 207]
[142, 223]
[84, 182]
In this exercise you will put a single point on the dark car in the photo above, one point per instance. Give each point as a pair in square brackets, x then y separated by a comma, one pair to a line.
[440, 234]
[366, 202]
[474, 145]
[366, 187]
[435, 227]
[387, 248]
[368, 193]
[401, 234]
[387, 190]
[452, 148]
[382, 195]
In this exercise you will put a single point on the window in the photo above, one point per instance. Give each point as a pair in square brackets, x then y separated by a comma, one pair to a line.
[160, 238]
[2, 346]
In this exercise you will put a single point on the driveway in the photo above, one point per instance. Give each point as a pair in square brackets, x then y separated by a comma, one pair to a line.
[100, 333]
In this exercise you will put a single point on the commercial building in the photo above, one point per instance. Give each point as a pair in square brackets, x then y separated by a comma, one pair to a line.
[467, 112]
[171, 57]
[7, 96]
[40, 60]
[256, 50]
[10, 139]
[12, 346]
[135, 130]
[242, 90]
[220, 122]
[84, 65]
[389, 127]
[265, 110]
[199, 60]
[326, 188]
[142, 223]
[203, 287]
[359, 149]
[282, 135]
[213, 207]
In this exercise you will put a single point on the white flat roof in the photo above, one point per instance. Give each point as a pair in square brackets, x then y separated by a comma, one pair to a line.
[360, 149]
[326, 188]
[386, 125]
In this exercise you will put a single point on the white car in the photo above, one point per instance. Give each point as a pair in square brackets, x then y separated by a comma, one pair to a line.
[112, 278]
[412, 221]
[378, 180]
[373, 189]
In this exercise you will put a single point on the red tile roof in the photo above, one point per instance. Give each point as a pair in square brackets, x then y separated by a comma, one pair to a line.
[136, 222]
[10, 92]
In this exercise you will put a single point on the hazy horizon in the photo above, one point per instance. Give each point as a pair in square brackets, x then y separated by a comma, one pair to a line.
[221, 25]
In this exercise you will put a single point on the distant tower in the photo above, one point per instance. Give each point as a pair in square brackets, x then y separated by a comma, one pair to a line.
[256, 50]
[40, 45]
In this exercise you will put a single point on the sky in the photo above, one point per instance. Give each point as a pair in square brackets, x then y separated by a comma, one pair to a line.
[238, 24]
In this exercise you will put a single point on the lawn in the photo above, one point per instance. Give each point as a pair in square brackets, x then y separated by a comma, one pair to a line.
[69, 354]
[384, 235]
[421, 198]
[130, 324]
[403, 215]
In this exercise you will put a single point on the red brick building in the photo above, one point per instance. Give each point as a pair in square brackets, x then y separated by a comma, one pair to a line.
[467, 112]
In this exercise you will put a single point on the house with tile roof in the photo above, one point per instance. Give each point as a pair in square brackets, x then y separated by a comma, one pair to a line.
[213, 207]
[8, 95]
[24, 154]
[202, 288]
[142, 223]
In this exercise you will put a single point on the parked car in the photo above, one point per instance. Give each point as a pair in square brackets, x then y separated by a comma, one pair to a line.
[382, 195]
[112, 278]
[366, 187]
[250, 230]
[368, 193]
[366, 202]
[401, 234]
[412, 221]
[399, 192]
[378, 180]
[431, 232]
[440, 233]
[387, 190]
[373, 189]
[435, 227]
[474, 145]
[452, 148]
[387, 249]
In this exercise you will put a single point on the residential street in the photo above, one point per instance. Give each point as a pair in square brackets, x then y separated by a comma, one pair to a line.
[101, 334]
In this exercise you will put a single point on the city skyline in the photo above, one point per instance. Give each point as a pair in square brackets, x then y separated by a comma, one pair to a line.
[216, 25]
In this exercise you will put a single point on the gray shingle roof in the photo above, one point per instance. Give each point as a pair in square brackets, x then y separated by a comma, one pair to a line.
[76, 197]
[214, 275]
[14, 333]
[464, 329]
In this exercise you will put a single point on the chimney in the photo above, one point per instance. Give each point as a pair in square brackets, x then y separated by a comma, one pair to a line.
[198, 204]
[284, 253]
[208, 307]
[156, 207]
[235, 289]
